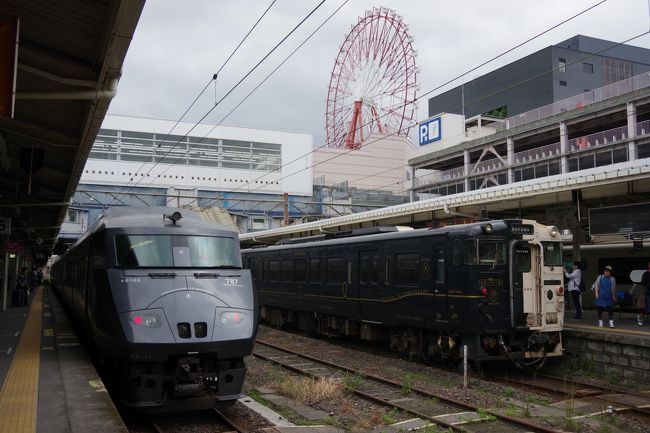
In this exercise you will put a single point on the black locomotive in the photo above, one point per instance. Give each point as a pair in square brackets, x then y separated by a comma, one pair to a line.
[165, 305]
[494, 286]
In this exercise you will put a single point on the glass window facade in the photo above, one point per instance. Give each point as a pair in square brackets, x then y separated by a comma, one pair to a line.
[177, 149]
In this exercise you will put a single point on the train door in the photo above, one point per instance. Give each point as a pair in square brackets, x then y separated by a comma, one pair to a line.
[525, 302]
[439, 276]
[368, 284]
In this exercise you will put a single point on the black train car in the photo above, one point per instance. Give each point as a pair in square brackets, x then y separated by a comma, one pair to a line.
[494, 286]
[164, 303]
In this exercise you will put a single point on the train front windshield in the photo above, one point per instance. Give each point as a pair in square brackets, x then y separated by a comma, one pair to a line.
[165, 251]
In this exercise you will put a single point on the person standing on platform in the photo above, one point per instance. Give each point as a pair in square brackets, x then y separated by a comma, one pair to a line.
[645, 282]
[605, 295]
[21, 288]
[573, 287]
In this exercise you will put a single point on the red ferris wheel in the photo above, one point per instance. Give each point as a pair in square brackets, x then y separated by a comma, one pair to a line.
[373, 82]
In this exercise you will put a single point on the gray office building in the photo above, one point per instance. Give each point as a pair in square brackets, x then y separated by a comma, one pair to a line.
[560, 71]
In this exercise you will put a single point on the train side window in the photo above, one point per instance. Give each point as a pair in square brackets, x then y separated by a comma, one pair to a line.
[522, 259]
[349, 271]
[335, 272]
[375, 270]
[314, 271]
[387, 271]
[407, 268]
[99, 249]
[274, 270]
[471, 251]
[287, 270]
[256, 269]
[439, 254]
[457, 251]
[364, 268]
[300, 270]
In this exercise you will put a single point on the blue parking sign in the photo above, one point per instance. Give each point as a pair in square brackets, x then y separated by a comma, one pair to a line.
[430, 131]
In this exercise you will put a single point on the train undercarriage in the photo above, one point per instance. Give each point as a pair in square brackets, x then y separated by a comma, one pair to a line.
[524, 349]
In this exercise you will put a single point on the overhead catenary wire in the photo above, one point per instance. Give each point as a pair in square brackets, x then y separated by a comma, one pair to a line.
[360, 126]
[476, 100]
[233, 88]
[212, 80]
[261, 83]
[437, 88]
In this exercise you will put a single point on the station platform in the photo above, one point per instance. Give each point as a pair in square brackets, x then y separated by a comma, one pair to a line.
[624, 323]
[48, 384]
[623, 352]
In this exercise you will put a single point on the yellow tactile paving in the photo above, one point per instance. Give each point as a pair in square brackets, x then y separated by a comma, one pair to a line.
[19, 394]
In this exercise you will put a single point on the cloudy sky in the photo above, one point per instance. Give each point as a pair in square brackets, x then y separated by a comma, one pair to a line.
[179, 45]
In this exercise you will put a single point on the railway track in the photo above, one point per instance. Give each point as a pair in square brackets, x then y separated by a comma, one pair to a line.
[613, 398]
[429, 407]
[213, 421]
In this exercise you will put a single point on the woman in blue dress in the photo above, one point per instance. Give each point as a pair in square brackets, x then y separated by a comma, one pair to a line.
[605, 294]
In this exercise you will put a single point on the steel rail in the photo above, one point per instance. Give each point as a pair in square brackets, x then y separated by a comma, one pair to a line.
[419, 391]
[600, 392]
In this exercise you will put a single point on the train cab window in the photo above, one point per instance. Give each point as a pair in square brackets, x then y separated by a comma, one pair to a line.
[287, 270]
[274, 270]
[485, 252]
[163, 251]
[335, 272]
[144, 251]
[315, 271]
[407, 268]
[522, 259]
[300, 270]
[552, 253]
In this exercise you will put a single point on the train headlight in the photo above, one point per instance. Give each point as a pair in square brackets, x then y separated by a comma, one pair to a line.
[146, 320]
[552, 230]
[488, 228]
[230, 318]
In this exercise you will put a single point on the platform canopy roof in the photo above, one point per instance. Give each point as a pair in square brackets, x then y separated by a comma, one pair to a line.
[70, 56]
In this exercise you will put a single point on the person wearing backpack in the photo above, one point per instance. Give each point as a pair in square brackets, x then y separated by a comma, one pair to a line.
[574, 287]
[605, 295]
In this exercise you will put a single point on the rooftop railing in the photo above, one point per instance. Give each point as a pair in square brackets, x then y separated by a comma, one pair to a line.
[606, 92]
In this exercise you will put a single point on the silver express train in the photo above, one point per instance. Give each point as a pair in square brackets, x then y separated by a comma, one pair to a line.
[165, 305]
[493, 286]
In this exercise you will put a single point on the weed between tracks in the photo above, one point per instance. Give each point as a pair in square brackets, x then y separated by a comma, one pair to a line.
[308, 390]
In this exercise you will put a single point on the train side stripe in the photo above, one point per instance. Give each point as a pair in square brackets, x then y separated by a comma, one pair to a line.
[19, 394]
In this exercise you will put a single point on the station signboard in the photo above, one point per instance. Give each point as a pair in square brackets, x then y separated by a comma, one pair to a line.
[626, 219]
[5, 225]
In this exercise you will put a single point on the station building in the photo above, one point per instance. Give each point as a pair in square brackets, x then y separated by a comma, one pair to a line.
[577, 65]
[245, 176]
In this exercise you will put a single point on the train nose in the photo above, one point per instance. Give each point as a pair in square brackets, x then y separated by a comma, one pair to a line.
[196, 316]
